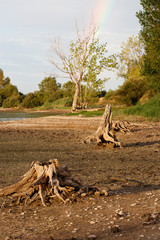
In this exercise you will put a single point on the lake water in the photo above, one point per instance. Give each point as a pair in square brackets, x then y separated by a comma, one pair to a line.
[10, 116]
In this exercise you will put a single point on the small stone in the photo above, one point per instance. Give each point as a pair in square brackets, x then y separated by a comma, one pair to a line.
[92, 237]
[97, 194]
[104, 193]
[92, 222]
[120, 213]
[83, 194]
[99, 207]
[10, 210]
[133, 204]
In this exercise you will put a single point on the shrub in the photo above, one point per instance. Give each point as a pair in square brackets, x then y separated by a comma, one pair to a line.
[13, 101]
[131, 91]
[62, 102]
[151, 109]
[32, 100]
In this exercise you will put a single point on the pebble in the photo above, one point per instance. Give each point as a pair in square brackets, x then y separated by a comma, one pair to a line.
[97, 194]
[111, 222]
[104, 192]
[92, 237]
[83, 195]
[99, 207]
[92, 222]
[133, 204]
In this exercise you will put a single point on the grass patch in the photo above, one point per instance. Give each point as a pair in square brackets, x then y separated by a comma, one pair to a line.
[116, 111]
[60, 103]
[150, 110]
[87, 113]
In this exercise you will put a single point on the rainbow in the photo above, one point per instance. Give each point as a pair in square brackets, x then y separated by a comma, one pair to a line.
[102, 12]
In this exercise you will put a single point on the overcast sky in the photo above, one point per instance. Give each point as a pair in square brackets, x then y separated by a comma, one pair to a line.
[26, 27]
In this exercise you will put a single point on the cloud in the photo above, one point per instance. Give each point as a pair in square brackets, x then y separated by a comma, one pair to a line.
[26, 28]
[48, 13]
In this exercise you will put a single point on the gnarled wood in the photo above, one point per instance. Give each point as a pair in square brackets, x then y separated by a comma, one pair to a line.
[104, 133]
[45, 179]
[120, 126]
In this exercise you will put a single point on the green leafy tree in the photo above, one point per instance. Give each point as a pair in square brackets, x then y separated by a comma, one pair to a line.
[50, 89]
[68, 89]
[149, 19]
[32, 100]
[86, 59]
[12, 101]
[131, 58]
[7, 90]
[3, 81]
[130, 65]
[131, 91]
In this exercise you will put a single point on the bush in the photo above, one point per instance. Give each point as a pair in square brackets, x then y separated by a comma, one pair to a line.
[13, 101]
[131, 91]
[151, 109]
[32, 100]
[109, 95]
[62, 102]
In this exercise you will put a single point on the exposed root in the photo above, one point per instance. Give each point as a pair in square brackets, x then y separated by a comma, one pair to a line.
[104, 133]
[46, 181]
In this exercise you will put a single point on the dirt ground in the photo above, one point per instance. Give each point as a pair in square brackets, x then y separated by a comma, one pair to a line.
[131, 211]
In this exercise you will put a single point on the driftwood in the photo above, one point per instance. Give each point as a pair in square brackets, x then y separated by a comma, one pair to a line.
[47, 180]
[106, 130]
[121, 126]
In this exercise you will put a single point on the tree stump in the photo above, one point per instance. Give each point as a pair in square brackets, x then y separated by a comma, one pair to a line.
[104, 133]
[46, 180]
[121, 126]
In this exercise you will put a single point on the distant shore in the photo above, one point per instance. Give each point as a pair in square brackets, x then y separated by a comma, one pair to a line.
[30, 110]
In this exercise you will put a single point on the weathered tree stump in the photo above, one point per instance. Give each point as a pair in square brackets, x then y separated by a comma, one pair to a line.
[121, 126]
[104, 133]
[46, 180]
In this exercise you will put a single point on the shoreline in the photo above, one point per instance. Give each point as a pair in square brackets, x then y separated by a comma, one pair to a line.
[33, 111]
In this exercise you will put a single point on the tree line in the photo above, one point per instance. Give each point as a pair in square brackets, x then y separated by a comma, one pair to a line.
[49, 91]
[137, 63]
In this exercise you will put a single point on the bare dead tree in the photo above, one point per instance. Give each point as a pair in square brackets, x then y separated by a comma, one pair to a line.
[73, 65]
[86, 59]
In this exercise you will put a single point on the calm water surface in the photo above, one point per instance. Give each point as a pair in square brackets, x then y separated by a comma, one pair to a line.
[10, 116]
